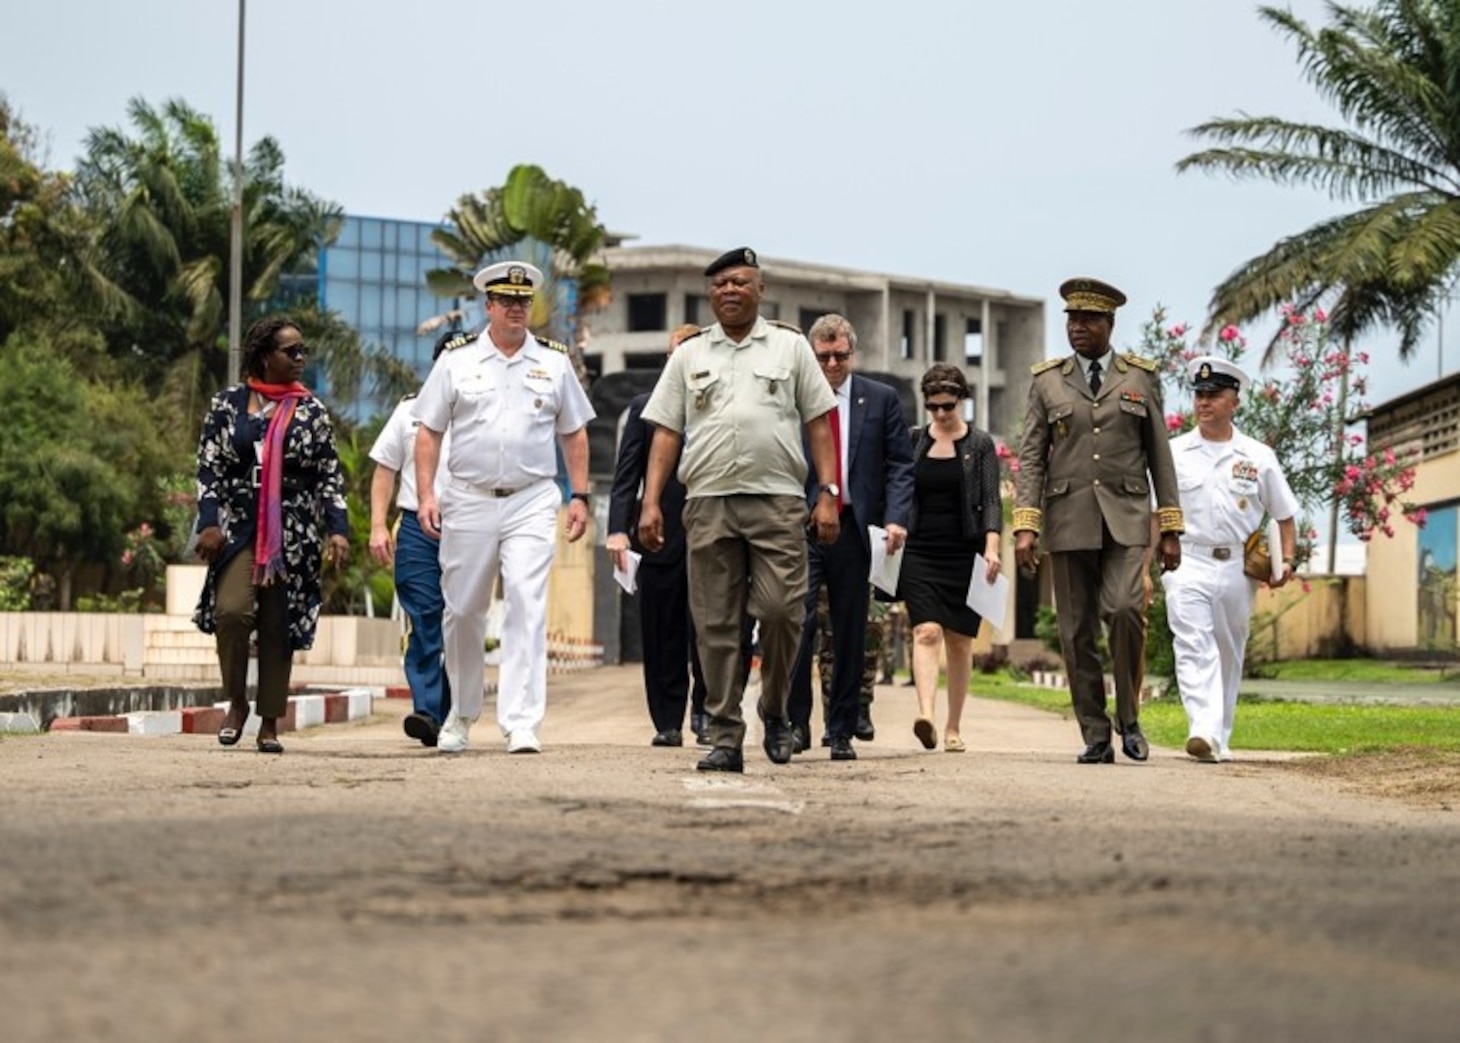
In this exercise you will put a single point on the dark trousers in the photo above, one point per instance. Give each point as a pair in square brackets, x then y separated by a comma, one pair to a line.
[842, 567]
[667, 635]
[241, 609]
[1092, 587]
[418, 586]
[746, 553]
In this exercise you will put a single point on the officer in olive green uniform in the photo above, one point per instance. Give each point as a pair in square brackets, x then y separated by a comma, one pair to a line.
[1095, 443]
[736, 398]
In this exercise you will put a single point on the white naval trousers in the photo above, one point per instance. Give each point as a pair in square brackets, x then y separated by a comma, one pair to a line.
[481, 533]
[1209, 610]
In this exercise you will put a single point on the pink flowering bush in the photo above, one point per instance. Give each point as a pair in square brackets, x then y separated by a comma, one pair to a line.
[142, 558]
[1297, 414]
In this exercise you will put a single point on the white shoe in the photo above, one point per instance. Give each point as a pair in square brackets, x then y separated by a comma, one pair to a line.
[454, 735]
[523, 740]
[1201, 749]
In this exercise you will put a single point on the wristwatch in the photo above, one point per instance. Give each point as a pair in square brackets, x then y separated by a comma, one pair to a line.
[834, 489]
[581, 496]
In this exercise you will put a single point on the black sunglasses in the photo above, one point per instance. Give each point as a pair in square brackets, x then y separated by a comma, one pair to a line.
[297, 352]
[941, 407]
[504, 301]
[832, 356]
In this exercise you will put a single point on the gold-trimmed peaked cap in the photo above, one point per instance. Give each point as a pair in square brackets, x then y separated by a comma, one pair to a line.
[509, 278]
[1084, 294]
[740, 257]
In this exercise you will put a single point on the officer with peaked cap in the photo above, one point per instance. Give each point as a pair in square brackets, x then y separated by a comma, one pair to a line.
[414, 557]
[505, 396]
[1095, 444]
[736, 397]
[1228, 483]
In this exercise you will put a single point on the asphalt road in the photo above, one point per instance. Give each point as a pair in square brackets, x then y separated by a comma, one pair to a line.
[360, 887]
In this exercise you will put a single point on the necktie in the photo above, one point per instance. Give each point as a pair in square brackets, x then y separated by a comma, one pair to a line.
[1095, 378]
[836, 444]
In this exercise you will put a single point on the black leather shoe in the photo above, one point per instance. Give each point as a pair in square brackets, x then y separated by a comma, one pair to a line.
[841, 750]
[864, 731]
[668, 737]
[1097, 753]
[800, 740]
[420, 727]
[1133, 744]
[779, 742]
[825, 739]
[722, 758]
[697, 725]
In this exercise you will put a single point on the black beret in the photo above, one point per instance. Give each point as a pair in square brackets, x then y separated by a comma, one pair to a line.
[740, 257]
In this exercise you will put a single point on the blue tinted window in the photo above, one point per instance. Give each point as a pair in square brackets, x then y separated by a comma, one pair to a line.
[370, 234]
[343, 297]
[349, 233]
[343, 264]
[370, 308]
[388, 316]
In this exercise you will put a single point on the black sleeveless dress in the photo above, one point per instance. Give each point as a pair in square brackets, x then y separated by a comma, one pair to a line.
[937, 563]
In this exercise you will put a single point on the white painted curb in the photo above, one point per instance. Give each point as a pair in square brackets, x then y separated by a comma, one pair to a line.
[154, 722]
[19, 724]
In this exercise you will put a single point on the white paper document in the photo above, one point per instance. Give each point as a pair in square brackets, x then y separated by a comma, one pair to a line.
[1275, 548]
[989, 600]
[885, 567]
[628, 576]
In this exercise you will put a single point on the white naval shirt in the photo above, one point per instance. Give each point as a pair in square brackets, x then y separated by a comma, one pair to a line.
[1226, 487]
[395, 448]
[502, 412]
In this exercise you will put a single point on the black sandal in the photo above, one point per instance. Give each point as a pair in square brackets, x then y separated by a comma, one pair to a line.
[229, 736]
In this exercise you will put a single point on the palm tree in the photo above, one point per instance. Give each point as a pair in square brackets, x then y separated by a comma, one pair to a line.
[562, 235]
[1393, 72]
[161, 198]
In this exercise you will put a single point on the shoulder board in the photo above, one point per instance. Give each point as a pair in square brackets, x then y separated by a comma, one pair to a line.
[784, 325]
[1047, 364]
[407, 398]
[552, 344]
[696, 333]
[1149, 365]
[457, 341]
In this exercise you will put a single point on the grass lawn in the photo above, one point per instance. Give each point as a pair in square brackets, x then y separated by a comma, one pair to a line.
[1363, 671]
[1270, 725]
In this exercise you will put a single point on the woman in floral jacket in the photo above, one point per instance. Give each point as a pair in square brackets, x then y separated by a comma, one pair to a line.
[269, 482]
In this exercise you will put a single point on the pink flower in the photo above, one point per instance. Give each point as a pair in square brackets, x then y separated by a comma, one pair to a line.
[126, 557]
[145, 530]
[1419, 516]
[1179, 330]
[1319, 315]
[1229, 333]
[1363, 358]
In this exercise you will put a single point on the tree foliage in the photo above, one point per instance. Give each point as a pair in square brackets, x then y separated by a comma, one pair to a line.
[1392, 71]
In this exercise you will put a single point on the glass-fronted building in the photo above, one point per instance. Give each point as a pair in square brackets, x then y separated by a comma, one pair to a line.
[374, 276]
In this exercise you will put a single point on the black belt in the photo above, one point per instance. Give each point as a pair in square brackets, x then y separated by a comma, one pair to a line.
[296, 483]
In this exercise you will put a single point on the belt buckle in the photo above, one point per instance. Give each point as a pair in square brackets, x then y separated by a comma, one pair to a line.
[1221, 553]
[502, 494]
[256, 475]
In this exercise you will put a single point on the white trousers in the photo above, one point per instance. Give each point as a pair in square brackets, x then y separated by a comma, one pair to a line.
[1209, 609]
[481, 534]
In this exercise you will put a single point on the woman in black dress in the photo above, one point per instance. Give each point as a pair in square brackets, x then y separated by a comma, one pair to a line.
[957, 516]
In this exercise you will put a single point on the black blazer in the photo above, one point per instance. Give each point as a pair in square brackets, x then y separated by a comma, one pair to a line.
[983, 507]
[628, 481]
[879, 476]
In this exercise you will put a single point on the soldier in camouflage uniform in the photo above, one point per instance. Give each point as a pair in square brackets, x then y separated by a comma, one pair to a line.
[877, 612]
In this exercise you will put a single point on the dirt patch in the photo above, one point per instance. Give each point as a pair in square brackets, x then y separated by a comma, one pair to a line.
[1418, 775]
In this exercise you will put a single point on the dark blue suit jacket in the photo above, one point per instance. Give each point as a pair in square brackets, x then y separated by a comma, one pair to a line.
[628, 479]
[879, 476]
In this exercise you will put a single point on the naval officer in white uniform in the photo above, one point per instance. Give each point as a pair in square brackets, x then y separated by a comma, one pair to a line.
[1228, 483]
[505, 397]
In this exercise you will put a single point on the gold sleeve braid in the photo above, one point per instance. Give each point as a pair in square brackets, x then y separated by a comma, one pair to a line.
[1171, 519]
[1028, 519]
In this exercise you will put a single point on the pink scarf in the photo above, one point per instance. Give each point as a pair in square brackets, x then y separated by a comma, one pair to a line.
[268, 550]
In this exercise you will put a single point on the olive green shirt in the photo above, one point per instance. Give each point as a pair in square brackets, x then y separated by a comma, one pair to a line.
[740, 408]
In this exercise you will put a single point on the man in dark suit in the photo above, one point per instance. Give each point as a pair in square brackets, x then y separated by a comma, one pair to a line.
[664, 619]
[874, 487]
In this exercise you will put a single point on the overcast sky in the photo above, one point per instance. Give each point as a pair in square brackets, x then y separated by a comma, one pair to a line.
[1002, 144]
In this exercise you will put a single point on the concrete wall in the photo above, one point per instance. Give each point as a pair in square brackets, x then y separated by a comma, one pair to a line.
[1393, 564]
[1329, 620]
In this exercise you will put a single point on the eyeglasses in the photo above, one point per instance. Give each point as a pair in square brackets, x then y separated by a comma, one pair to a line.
[941, 407]
[504, 301]
[297, 352]
[832, 356]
